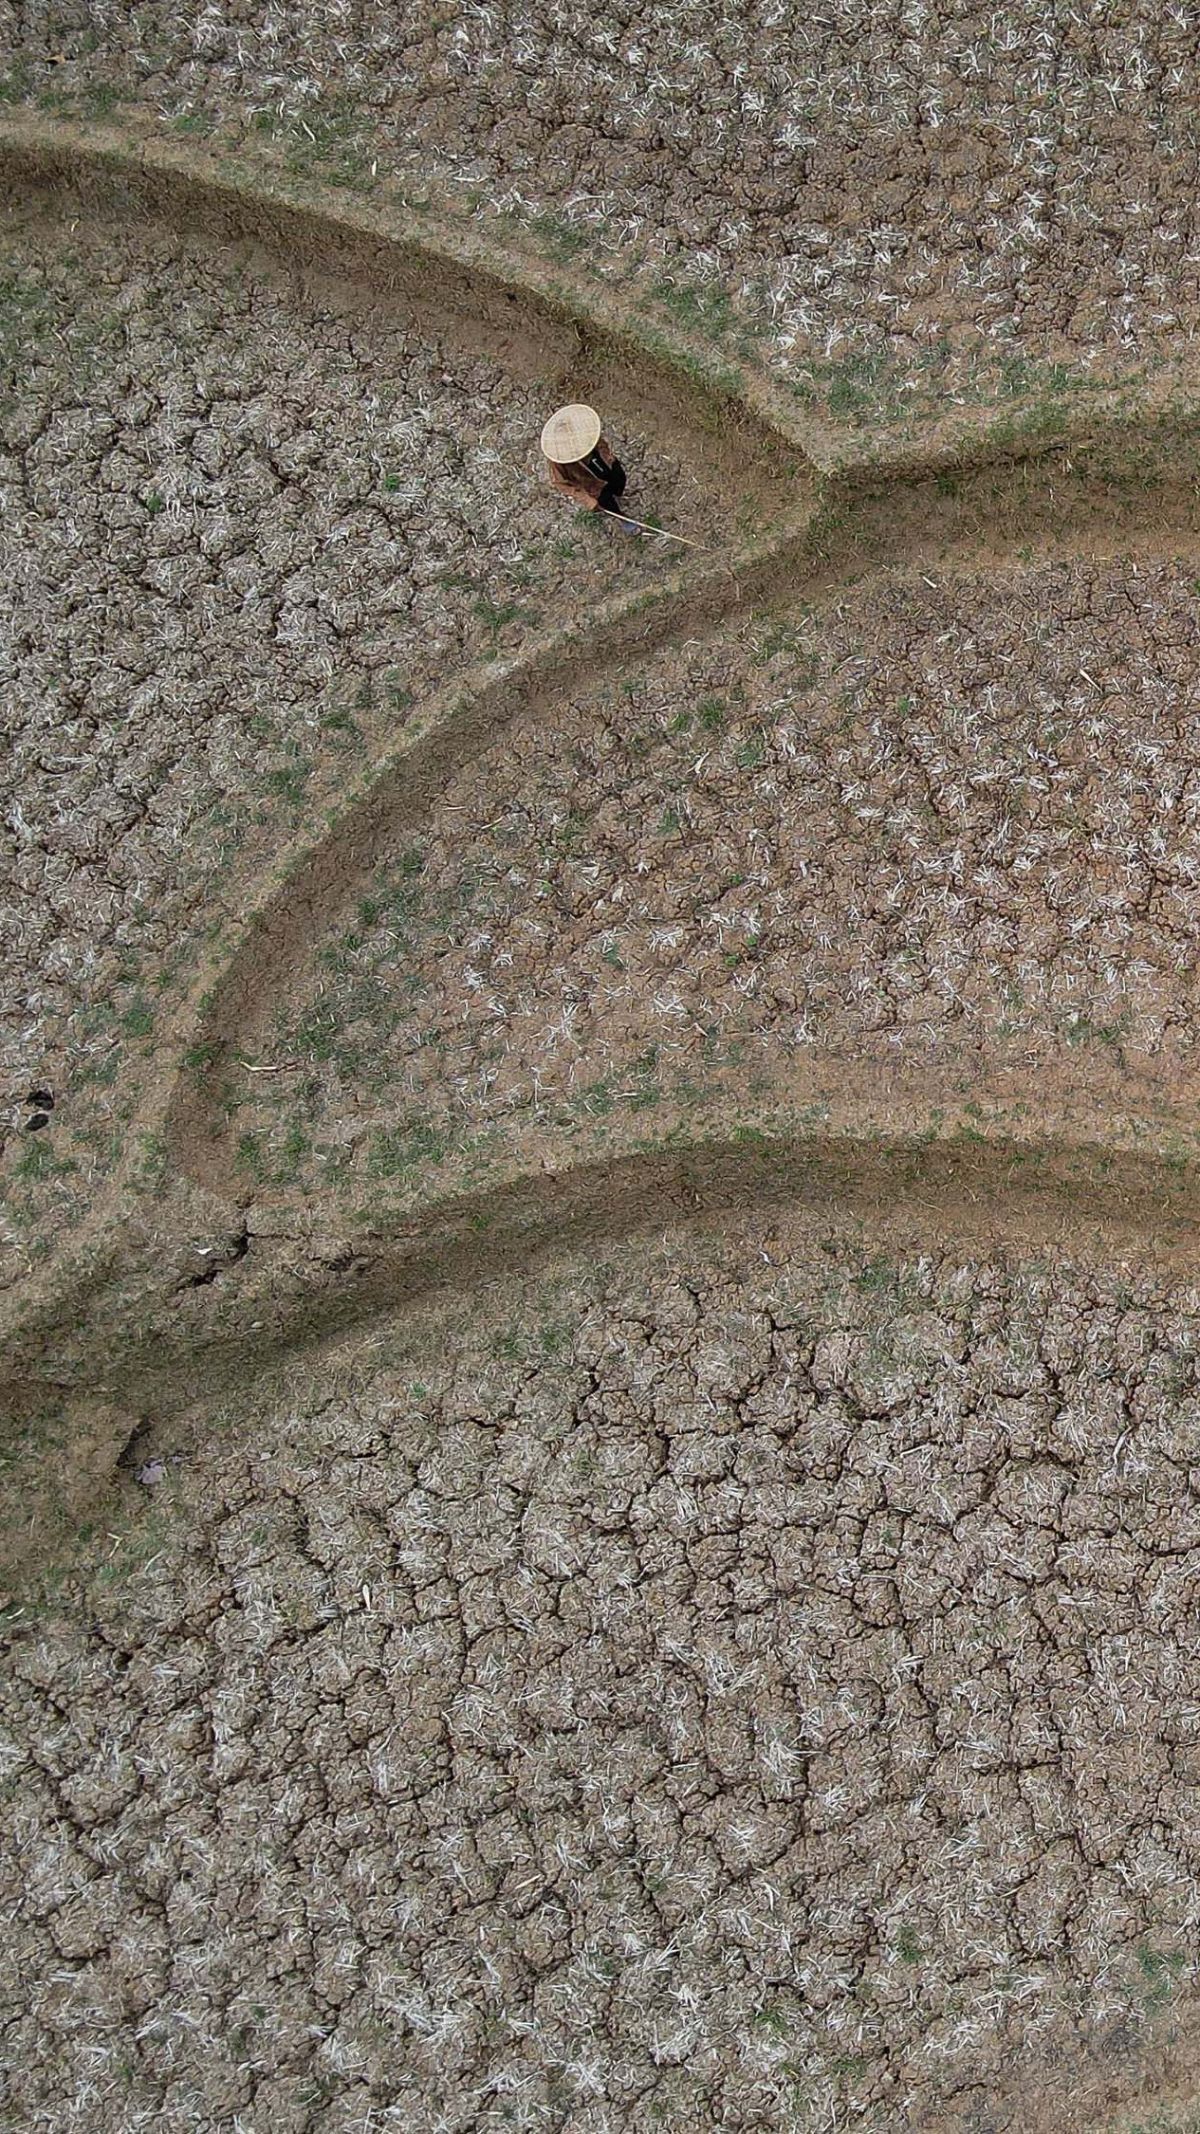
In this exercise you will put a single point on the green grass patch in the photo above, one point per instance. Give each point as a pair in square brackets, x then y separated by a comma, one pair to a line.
[138, 1018]
[698, 307]
[289, 782]
[1159, 1972]
[396, 1152]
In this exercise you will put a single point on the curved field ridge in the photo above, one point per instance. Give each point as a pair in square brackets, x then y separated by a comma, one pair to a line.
[1126, 486]
[801, 565]
[139, 1322]
[534, 341]
[400, 252]
[299, 1285]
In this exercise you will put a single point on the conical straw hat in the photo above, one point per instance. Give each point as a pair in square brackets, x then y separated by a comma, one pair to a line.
[570, 434]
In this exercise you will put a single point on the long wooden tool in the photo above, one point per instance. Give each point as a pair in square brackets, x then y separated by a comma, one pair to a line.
[661, 531]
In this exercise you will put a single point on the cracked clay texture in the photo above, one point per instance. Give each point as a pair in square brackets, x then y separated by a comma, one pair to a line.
[719, 1684]
[939, 829]
[754, 1688]
[241, 534]
[892, 201]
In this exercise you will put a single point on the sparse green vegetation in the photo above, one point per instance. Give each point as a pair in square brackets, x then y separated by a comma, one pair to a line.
[1159, 1972]
[792, 1536]
[137, 1020]
[397, 1151]
[698, 307]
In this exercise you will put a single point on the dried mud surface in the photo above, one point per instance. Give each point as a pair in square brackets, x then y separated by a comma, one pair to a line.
[942, 829]
[243, 531]
[754, 1687]
[894, 201]
[751, 1684]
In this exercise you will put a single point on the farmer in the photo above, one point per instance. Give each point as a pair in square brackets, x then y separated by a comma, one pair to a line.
[583, 465]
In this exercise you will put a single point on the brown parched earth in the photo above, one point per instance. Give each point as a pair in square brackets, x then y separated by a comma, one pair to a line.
[599, 1139]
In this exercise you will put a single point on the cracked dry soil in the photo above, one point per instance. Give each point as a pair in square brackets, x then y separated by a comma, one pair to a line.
[753, 1687]
[242, 531]
[943, 829]
[895, 202]
[752, 1684]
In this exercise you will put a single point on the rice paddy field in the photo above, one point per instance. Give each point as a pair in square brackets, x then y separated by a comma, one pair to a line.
[599, 1305]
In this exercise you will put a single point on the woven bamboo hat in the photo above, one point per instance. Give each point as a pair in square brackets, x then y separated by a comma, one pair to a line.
[570, 434]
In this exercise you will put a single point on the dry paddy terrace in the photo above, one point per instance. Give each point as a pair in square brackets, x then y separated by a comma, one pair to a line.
[945, 831]
[752, 1686]
[241, 535]
[898, 208]
[589, 1546]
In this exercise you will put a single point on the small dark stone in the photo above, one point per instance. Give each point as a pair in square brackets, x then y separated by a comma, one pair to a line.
[35, 1120]
[43, 1098]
